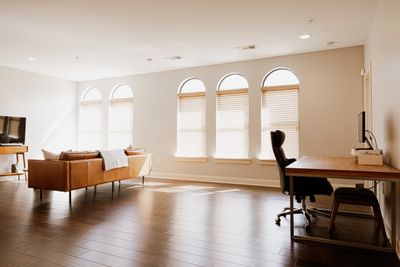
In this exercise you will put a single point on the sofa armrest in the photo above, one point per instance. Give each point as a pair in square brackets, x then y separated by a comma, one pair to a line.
[48, 174]
[140, 165]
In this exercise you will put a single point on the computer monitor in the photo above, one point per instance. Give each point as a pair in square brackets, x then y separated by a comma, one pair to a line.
[362, 138]
[361, 127]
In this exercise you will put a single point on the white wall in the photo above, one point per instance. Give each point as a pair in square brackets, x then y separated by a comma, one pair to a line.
[383, 55]
[330, 99]
[48, 104]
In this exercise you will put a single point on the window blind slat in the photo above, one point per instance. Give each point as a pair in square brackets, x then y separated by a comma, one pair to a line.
[90, 125]
[232, 140]
[280, 112]
[120, 133]
[191, 126]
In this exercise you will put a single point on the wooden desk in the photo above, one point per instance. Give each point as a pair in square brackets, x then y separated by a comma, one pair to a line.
[17, 151]
[343, 168]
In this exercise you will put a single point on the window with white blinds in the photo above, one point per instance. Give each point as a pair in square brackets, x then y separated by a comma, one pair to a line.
[232, 133]
[90, 120]
[191, 119]
[280, 111]
[120, 127]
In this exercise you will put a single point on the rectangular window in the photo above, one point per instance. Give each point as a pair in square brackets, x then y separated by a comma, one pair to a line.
[232, 140]
[90, 123]
[120, 124]
[191, 125]
[280, 111]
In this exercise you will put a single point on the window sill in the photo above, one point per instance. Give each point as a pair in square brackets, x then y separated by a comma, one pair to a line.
[268, 162]
[191, 159]
[233, 161]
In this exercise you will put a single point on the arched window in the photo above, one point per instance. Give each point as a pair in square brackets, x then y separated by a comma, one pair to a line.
[90, 120]
[191, 119]
[120, 120]
[280, 111]
[232, 140]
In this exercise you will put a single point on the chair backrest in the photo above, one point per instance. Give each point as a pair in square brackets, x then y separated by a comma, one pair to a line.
[277, 139]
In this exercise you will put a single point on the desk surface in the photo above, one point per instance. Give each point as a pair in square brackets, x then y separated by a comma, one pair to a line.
[340, 167]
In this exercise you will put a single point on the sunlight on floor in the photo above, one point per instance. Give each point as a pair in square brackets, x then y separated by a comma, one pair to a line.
[193, 187]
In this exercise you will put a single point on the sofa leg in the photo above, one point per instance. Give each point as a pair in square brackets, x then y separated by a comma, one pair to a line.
[112, 186]
[69, 196]
[143, 180]
[41, 194]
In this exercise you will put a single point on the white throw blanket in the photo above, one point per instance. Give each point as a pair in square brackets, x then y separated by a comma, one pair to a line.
[113, 159]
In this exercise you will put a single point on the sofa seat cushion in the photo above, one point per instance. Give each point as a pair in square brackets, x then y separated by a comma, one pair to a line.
[77, 155]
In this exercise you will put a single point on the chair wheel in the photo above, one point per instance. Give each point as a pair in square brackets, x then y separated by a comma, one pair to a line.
[284, 215]
[278, 221]
[308, 228]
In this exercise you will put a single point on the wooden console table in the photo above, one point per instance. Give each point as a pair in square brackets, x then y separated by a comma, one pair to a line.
[17, 151]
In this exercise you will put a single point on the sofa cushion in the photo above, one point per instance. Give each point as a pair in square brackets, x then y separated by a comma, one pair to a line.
[134, 151]
[48, 155]
[76, 155]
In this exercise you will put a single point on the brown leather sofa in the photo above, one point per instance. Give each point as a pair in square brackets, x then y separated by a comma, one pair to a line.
[74, 172]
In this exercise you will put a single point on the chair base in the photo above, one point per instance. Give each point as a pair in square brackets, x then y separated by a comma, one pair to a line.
[306, 212]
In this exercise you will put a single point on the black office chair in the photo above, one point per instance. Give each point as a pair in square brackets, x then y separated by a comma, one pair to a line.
[303, 186]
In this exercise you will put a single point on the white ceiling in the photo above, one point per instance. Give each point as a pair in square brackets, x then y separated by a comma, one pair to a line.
[92, 39]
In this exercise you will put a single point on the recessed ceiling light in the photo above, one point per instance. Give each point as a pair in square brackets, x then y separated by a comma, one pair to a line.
[305, 36]
[173, 58]
[245, 47]
[32, 58]
[331, 43]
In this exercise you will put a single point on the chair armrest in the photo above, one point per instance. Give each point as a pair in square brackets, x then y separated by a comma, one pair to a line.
[290, 161]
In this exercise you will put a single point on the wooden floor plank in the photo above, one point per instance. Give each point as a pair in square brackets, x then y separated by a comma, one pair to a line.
[169, 223]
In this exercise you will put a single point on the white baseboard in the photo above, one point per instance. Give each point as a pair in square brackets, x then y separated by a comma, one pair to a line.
[225, 180]
[216, 179]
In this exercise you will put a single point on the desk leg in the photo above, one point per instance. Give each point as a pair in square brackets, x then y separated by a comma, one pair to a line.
[291, 207]
[393, 207]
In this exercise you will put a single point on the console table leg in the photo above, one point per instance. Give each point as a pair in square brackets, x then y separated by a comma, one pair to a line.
[41, 194]
[17, 156]
[143, 180]
[24, 162]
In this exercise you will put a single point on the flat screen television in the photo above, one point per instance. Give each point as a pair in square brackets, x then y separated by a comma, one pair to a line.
[12, 130]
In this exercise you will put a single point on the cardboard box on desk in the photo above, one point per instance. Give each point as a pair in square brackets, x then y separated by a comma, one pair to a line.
[370, 159]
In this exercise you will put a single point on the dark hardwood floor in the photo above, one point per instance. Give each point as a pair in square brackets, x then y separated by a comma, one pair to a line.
[167, 223]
